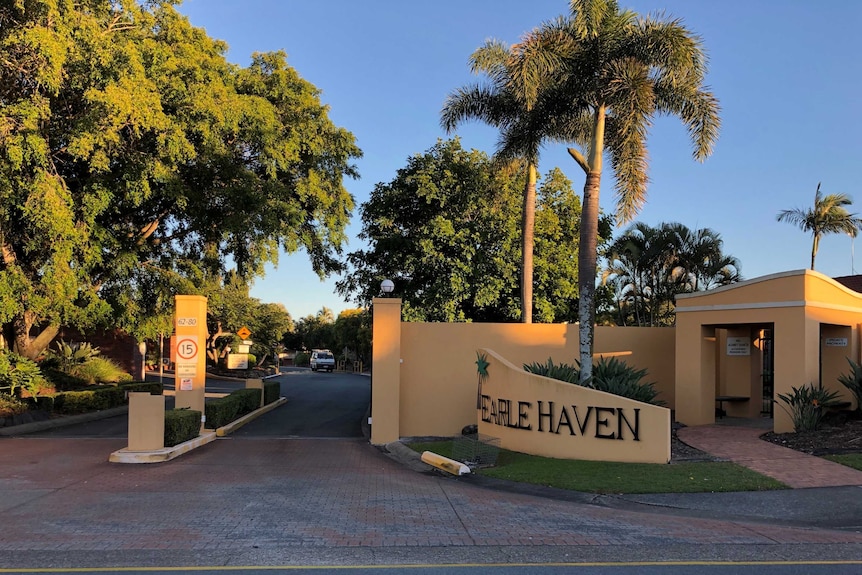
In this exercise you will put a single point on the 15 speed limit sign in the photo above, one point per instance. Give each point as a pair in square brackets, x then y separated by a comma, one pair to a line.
[187, 348]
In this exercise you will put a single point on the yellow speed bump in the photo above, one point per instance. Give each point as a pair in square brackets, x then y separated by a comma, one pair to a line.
[444, 463]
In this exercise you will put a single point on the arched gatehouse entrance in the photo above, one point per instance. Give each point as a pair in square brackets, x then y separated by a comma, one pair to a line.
[739, 347]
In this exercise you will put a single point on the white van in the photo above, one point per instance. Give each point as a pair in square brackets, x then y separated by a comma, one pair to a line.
[322, 359]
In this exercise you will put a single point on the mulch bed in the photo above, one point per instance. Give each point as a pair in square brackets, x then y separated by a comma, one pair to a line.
[836, 436]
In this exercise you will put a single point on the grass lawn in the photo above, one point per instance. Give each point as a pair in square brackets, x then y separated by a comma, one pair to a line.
[853, 460]
[609, 477]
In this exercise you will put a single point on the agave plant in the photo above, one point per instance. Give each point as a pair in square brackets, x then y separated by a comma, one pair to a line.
[562, 372]
[808, 405]
[617, 377]
[68, 355]
[853, 382]
[609, 375]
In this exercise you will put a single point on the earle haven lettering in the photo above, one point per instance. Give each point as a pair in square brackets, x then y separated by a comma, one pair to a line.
[598, 422]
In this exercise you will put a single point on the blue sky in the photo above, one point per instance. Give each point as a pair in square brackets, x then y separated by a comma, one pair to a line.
[788, 75]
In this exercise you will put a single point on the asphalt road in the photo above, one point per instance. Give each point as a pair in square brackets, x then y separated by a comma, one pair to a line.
[319, 405]
[322, 405]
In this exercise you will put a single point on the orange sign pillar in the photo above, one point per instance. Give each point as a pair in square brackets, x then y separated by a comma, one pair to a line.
[190, 324]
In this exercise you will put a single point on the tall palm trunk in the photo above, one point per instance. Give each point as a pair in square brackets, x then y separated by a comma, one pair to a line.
[814, 245]
[528, 221]
[587, 272]
[589, 239]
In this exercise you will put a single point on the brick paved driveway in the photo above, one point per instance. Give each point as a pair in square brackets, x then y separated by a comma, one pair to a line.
[236, 494]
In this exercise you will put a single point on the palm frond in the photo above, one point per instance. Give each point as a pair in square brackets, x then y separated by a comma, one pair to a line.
[476, 102]
[491, 59]
[588, 16]
[539, 56]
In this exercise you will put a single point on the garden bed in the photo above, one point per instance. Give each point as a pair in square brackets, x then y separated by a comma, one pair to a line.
[838, 435]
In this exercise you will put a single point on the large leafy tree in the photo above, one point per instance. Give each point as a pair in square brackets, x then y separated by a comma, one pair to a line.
[446, 231]
[602, 75]
[353, 336]
[647, 266]
[313, 332]
[828, 215]
[504, 101]
[136, 162]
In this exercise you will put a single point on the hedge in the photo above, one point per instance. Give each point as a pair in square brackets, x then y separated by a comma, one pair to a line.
[102, 397]
[221, 411]
[181, 425]
[154, 387]
[91, 400]
[271, 391]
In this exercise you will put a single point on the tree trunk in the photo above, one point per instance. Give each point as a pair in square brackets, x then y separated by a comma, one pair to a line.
[212, 350]
[814, 247]
[589, 234]
[29, 347]
[589, 240]
[528, 221]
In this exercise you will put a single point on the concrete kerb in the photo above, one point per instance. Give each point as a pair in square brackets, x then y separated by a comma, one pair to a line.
[164, 454]
[234, 425]
[410, 459]
[207, 436]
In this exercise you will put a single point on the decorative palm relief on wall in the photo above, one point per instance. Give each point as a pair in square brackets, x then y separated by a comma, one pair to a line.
[482, 369]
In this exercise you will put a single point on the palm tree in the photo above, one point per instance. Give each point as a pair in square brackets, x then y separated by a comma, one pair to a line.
[604, 74]
[705, 265]
[648, 267]
[502, 103]
[828, 216]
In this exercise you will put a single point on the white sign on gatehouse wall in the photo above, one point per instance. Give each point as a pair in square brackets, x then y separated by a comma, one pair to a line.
[738, 346]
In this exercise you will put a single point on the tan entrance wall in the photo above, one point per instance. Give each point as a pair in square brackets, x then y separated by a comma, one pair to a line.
[431, 391]
[542, 416]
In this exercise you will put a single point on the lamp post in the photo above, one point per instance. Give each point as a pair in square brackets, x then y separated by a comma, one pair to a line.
[387, 287]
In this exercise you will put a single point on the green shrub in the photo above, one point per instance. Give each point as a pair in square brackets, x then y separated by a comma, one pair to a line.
[68, 355]
[252, 360]
[609, 375]
[615, 376]
[181, 425]
[89, 400]
[11, 405]
[221, 411]
[562, 372]
[18, 374]
[61, 380]
[100, 370]
[271, 391]
[41, 403]
[302, 359]
[853, 382]
[249, 399]
[808, 405]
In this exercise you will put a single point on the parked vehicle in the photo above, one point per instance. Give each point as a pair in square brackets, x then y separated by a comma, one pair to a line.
[322, 359]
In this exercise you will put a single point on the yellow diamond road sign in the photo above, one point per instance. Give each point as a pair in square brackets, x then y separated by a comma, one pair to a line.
[243, 332]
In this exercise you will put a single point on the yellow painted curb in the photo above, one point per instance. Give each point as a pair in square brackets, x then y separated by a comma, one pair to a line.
[234, 425]
[160, 455]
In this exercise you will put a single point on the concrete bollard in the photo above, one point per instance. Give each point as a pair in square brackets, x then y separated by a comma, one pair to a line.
[444, 463]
